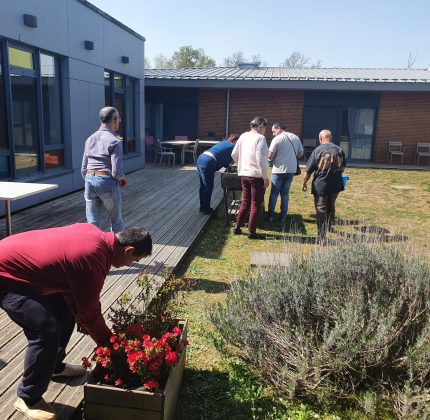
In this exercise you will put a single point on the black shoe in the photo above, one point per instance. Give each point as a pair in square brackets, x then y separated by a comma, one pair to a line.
[237, 230]
[254, 235]
[207, 211]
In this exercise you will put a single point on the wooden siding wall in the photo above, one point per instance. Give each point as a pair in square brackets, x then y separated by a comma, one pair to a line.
[276, 105]
[402, 117]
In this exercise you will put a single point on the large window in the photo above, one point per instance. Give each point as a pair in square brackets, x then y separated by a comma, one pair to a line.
[31, 110]
[51, 97]
[119, 92]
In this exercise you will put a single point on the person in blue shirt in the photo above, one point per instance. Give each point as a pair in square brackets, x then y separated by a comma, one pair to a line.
[210, 161]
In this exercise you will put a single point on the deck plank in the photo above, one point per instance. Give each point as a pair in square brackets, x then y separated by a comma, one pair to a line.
[165, 202]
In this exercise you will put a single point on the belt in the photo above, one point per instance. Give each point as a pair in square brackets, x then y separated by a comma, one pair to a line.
[209, 154]
[97, 172]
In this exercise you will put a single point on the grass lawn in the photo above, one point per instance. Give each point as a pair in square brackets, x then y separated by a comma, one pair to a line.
[387, 202]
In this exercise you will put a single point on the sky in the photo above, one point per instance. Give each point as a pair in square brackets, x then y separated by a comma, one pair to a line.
[340, 33]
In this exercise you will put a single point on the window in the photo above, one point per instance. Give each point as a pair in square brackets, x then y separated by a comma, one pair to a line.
[4, 146]
[36, 134]
[51, 99]
[119, 90]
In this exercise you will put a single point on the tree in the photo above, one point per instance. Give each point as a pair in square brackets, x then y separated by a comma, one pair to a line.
[161, 62]
[187, 56]
[239, 57]
[297, 60]
[411, 59]
[146, 63]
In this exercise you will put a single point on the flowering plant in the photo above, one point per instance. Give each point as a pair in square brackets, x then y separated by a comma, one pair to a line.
[147, 339]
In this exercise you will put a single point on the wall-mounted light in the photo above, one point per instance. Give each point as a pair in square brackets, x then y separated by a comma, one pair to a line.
[125, 59]
[30, 20]
[89, 45]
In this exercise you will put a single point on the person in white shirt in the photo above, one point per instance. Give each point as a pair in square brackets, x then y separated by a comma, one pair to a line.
[284, 152]
[250, 153]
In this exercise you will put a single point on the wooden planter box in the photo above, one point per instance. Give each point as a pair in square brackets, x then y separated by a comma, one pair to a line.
[104, 402]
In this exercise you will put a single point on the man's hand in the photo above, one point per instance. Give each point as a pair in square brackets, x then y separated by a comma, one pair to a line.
[122, 182]
[304, 187]
[266, 183]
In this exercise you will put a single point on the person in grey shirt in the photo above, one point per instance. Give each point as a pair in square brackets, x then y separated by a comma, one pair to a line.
[103, 172]
[284, 152]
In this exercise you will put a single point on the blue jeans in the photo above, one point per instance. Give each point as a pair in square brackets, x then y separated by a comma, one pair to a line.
[102, 195]
[281, 184]
[206, 167]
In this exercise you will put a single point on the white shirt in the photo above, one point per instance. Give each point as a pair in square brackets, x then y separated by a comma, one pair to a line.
[251, 155]
[284, 152]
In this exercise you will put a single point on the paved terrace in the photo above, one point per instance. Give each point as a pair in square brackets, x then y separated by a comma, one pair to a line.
[165, 202]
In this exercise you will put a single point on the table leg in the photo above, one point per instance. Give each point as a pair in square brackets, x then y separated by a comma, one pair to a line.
[183, 156]
[8, 221]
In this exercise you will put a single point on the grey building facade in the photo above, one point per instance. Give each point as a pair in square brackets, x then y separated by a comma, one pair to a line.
[60, 62]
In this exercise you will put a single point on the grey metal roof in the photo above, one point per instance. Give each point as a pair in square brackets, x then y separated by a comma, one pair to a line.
[326, 78]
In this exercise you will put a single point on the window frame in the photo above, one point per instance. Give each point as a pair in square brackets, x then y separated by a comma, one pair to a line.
[35, 73]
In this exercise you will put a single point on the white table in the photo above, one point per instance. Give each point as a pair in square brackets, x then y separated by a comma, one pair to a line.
[11, 191]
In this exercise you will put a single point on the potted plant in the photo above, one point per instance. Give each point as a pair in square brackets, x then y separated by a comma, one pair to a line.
[139, 373]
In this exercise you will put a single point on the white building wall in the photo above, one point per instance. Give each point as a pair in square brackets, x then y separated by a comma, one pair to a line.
[63, 27]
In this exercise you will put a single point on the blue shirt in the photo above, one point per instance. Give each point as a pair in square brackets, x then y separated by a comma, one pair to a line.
[222, 152]
[103, 151]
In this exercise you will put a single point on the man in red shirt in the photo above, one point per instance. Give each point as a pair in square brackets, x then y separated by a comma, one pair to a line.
[48, 280]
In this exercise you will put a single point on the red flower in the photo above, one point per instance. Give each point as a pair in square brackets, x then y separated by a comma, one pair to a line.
[146, 337]
[85, 363]
[106, 378]
[151, 384]
[113, 339]
[118, 382]
[116, 346]
[176, 331]
[171, 358]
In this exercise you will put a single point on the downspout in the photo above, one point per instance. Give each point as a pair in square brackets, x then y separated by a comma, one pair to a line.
[227, 113]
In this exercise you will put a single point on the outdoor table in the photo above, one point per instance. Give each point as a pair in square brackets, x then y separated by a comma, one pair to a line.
[179, 143]
[208, 142]
[10, 191]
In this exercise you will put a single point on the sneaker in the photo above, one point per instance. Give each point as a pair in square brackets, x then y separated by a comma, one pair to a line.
[39, 411]
[237, 230]
[70, 371]
[254, 235]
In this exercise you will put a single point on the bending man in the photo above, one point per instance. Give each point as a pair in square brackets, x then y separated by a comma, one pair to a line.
[50, 278]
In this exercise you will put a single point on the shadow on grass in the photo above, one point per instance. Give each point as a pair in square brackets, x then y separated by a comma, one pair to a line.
[208, 395]
[372, 238]
[209, 286]
[294, 224]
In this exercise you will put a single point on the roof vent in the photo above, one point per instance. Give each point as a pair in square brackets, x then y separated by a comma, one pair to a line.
[252, 65]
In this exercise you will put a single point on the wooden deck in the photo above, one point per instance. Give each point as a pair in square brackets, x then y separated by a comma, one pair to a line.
[162, 200]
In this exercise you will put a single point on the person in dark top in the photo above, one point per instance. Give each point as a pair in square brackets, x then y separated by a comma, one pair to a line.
[327, 162]
[210, 161]
[51, 279]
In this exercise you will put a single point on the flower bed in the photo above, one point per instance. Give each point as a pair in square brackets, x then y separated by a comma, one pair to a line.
[109, 402]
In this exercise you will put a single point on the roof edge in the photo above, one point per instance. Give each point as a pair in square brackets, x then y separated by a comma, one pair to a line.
[109, 17]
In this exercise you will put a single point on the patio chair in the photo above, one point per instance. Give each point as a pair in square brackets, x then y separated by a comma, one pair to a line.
[193, 150]
[163, 152]
[308, 147]
[423, 150]
[395, 148]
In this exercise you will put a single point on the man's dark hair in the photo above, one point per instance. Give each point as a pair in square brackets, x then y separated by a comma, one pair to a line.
[279, 125]
[107, 114]
[138, 238]
[258, 122]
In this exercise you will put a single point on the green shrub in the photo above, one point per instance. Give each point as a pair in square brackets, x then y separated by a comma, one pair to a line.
[349, 321]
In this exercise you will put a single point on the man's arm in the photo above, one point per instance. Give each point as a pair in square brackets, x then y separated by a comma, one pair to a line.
[261, 155]
[116, 162]
[306, 177]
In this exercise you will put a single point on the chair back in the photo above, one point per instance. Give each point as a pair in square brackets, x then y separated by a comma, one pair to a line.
[149, 140]
[157, 145]
[395, 146]
[309, 143]
[196, 149]
[181, 137]
[423, 147]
